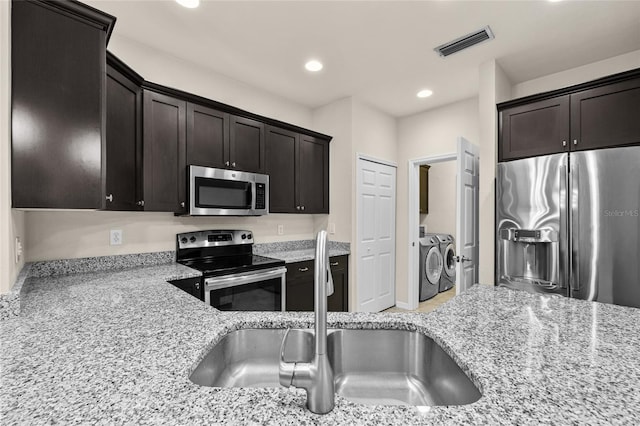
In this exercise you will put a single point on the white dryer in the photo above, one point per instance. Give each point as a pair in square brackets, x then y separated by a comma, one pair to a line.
[448, 251]
[430, 267]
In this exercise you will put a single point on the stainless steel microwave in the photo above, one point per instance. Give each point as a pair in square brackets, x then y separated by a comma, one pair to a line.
[219, 192]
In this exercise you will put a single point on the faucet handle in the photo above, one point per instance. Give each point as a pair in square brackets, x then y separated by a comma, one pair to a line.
[287, 369]
[330, 287]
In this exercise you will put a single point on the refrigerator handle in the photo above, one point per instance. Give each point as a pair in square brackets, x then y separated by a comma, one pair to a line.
[563, 258]
[574, 225]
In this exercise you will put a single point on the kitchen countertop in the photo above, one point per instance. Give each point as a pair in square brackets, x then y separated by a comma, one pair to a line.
[117, 347]
[299, 251]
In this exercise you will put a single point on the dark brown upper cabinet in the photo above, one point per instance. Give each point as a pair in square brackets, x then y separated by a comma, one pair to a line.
[58, 60]
[164, 147]
[221, 140]
[598, 114]
[538, 128]
[313, 175]
[298, 169]
[281, 168]
[606, 116]
[246, 145]
[123, 138]
[207, 137]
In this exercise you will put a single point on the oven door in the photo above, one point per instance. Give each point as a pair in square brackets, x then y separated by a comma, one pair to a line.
[219, 192]
[262, 290]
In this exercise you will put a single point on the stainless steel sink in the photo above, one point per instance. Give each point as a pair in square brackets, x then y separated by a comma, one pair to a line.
[388, 367]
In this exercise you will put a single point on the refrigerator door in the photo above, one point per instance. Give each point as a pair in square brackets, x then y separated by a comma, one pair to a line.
[531, 224]
[605, 225]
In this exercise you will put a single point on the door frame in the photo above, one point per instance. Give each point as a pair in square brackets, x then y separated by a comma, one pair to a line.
[414, 222]
[354, 231]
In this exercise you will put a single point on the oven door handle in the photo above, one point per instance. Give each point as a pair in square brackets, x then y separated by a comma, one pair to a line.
[217, 283]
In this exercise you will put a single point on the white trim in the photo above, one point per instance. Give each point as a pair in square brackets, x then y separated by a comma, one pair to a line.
[403, 305]
[414, 222]
[360, 156]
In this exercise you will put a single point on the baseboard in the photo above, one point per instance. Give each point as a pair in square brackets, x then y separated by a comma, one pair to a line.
[403, 305]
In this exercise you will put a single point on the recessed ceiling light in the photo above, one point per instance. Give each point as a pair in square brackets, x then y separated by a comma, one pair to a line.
[424, 93]
[191, 4]
[313, 65]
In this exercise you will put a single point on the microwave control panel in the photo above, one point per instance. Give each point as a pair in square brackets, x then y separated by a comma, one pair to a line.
[260, 196]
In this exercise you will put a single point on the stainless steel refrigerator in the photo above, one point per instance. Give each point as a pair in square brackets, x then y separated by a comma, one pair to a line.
[569, 224]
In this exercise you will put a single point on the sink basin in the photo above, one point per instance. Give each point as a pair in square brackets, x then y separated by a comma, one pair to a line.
[387, 367]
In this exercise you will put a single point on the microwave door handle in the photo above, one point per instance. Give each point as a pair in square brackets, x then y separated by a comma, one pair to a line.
[252, 195]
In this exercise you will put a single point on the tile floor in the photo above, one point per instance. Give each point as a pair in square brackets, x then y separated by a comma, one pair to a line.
[431, 304]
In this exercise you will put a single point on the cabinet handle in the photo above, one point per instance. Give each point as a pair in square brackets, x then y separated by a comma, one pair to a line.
[564, 143]
[334, 263]
[226, 163]
[197, 286]
[233, 164]
[575, 141]
[140, 203]
[109, 198]
[302, 207]
[297, 207]
[182, 204]
[303, 269]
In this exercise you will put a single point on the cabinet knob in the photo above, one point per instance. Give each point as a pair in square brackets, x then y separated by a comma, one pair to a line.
[140, 203]
[575, 141]
[302, 207]
[303, 269]
[109, 198]
[182, 204]
[297, 207]
[226, 163]
[233, 164]
[197, 286]
[564, 143]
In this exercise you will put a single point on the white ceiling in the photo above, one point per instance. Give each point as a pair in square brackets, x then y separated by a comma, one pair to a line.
[380, 51]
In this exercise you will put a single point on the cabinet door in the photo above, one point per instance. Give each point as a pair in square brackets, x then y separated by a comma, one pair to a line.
[280, 166]
[164, 153]
[606, 116]
[313, 175]
[123, 140]
[246, 144]
[299, 295]
[207, 137]
[58, 77]
[339, 300]
[538, 128]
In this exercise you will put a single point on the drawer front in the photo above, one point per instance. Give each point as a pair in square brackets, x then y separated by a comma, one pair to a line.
[300, 270]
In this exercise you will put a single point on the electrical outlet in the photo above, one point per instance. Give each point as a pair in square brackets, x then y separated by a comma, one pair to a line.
[116, 237]
[18, 249]
[332, 227]
[280, 229]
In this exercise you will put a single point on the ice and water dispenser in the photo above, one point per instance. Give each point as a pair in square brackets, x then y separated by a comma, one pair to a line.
[529, 257]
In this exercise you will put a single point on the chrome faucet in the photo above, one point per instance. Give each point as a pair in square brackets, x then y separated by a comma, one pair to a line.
[316, 377]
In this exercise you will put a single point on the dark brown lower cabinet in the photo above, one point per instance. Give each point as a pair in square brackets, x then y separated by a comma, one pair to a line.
[300, 285]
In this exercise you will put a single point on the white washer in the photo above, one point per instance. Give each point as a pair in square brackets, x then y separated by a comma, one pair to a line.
[430, 267]
[448, 251]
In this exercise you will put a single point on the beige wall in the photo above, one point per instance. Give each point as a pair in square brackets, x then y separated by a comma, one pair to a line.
[442, 199]
[495, 87]
[578, 75]
[11, 222]
[71, 234]
[163, 68]
[430, 133]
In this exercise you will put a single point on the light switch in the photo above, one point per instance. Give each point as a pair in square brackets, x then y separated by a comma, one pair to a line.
[18, 249]
[280, 229]
[116, 237]
[332, 227]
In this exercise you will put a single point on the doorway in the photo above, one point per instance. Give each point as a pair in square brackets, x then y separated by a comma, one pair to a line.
[376, 234]
[467, 208]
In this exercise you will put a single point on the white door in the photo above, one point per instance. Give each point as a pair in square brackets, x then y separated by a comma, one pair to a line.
[376, 245]
[467, 210]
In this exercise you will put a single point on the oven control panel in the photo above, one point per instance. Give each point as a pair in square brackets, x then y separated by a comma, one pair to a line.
[213, 238]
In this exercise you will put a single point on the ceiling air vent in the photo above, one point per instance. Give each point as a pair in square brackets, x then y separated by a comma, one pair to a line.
[464, 42]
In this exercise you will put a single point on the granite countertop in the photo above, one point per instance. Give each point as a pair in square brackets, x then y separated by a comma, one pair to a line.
[117, 347]
[299, 251]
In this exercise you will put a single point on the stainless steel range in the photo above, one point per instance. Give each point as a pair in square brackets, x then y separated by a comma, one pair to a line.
[234, 278]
